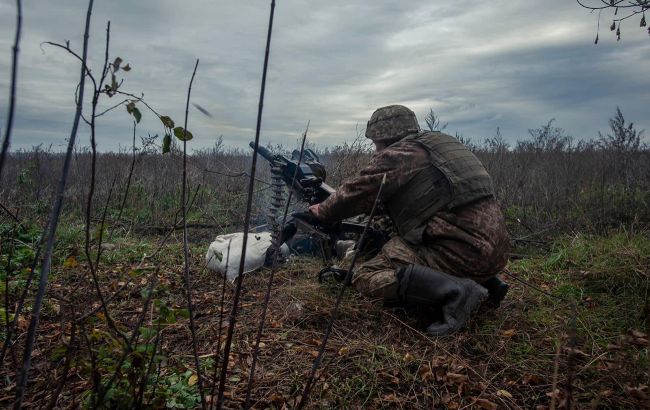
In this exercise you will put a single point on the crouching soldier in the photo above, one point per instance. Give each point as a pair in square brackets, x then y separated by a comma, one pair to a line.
[452, 240]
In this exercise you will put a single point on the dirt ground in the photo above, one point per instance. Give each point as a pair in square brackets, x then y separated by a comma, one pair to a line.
[538, 350]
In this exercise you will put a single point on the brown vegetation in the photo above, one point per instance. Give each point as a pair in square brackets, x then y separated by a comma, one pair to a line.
[377, 357]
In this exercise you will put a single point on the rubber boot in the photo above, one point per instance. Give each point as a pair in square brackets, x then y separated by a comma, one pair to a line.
[456, 297]
[497, 290]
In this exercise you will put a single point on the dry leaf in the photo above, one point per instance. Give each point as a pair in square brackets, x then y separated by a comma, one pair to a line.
[277, 399]
[438, 361]
[486, 404]
[313, 341]
[638, 392]
[531, 379]
[576, 352]
[70, 262]
[508, 333]
[388, 377]
[22, 323]
[391, 398]
[425, 373]
[192, 380]
[457, 378]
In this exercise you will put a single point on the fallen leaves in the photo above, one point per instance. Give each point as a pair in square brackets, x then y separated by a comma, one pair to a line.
[607, 393]
[408, 357]
[640, 392]
[389, 378]
[70, 262]
[313, 342]
[532, 379]
[425, 374]
[639, 338]
[485, 404]
[277, 399]
[457, 378]
[508, 333]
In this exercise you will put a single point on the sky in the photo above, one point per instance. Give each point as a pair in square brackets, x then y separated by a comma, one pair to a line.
[506, 64]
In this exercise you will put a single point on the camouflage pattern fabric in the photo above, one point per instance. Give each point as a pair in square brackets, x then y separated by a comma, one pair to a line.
[400, 162]
[469, 242]
[391, 123]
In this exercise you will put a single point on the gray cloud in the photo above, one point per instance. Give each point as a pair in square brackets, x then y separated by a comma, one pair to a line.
[480, 66]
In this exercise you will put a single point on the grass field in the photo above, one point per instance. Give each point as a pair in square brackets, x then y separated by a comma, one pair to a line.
[580, 334]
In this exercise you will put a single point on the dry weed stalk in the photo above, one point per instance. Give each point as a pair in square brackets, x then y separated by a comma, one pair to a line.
[186, 256]
[247, 218]
[12, 90]
[54, 219]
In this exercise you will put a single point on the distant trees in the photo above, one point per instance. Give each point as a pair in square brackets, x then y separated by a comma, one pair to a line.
[433, 121]
[627, 8]
[546, 138]
[624, 137]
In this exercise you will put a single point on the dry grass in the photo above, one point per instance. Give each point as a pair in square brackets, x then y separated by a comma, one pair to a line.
[376, 357]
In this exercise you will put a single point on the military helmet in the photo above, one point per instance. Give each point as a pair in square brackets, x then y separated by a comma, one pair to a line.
[391, 123]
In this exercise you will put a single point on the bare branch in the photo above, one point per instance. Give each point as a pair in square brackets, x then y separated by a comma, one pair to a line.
[186, 255]
[54, 219]
[345, 284]
[12, 90]
[267, 295]
[247, 219]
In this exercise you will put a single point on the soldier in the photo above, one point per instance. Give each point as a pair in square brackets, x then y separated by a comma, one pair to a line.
[451, 232]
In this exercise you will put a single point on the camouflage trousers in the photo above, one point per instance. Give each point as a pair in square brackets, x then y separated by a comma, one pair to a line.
[471, 242]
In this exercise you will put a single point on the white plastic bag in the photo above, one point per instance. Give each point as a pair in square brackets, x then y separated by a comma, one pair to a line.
[218, 257]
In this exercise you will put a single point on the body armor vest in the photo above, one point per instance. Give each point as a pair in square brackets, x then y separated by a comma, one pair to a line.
[455, 177]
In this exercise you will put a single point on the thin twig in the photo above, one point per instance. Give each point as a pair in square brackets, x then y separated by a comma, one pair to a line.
[348, 279]
[11, 215]
[221, 312]
[247, 218]
[267, 295]
[93, 267]
[54, 219]
[66, 366]
[186, 254]
[135, 333]
[128, 185]
[12, 90]
[145, 377]
[8, 342]
[556, 367]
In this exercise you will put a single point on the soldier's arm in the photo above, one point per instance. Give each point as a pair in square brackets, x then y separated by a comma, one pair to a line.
[357, 195]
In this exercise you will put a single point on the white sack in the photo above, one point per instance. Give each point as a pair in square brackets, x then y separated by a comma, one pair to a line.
[217, 256]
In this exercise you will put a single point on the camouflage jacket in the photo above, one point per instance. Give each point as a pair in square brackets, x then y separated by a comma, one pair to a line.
[400, 162]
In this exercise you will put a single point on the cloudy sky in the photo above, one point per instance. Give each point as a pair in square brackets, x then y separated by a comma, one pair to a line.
[480, 65]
